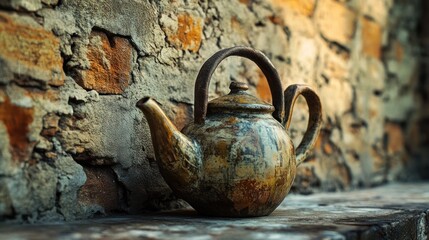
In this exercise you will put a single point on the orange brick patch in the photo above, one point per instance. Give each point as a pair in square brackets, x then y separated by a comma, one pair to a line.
[323, 144]
[31, 50]
[336, 21]
[17, 121]
[182, 115]
[110, 64]
[101, 188]
[395, 138]
[371, 38]
[263, 88]
[50, 125]
[304, 7]
[189, 33]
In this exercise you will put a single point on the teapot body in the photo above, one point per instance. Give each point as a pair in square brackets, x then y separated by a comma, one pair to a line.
[247, 165]
[235, 159]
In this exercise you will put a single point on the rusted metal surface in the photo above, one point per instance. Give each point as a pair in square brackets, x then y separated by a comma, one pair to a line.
[235, 159]
[203, 80]
[392, 212]
[314, 121]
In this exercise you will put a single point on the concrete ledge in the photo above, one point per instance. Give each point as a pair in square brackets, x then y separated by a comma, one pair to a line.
[395, 211]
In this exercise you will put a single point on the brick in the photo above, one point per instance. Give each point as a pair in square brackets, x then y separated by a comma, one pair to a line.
[379, 164]
[29, 50]
[333, 64]
[376, 9]
[263, 88]
[395, 137]
[398, 50]
[306, 179]
[237, 27]
[187, 34]
[50, 2]
[44, 144]
[337, 97]
[295, 15]
[373, 71]
[101, 188]
[323, 144]
[50, 125]
[371, 38]
[276, 20]
[110, 64]
[247, 2]
[51, 155]
[17, 121]
[304, 7]
[306, 51]
[49, 95]
[182, 114]
[29, 5]
[336, 22]
[6, 206]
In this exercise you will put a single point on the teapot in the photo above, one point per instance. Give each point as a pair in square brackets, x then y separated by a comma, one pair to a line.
[235, 159]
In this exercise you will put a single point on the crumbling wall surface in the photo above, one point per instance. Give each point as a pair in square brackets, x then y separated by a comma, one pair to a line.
[73, 144]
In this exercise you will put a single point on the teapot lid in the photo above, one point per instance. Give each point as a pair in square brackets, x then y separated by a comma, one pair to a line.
[238, 100]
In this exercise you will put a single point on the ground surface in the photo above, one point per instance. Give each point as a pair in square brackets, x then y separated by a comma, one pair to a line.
[395, 211]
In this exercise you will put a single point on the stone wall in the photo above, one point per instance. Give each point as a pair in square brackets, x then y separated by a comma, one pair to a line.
[73, 144]
[417, 133]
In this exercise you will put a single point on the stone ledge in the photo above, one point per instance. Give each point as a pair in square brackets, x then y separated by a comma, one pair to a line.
[395, 211]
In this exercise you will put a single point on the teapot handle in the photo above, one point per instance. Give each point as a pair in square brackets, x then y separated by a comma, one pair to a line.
[203, 80]
[314, 122]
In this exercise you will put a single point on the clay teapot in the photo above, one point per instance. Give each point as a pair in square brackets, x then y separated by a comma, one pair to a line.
[235, 159]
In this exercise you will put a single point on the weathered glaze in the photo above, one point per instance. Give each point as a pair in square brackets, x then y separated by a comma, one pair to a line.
[179, 157]
[248, 167]
[235, 159]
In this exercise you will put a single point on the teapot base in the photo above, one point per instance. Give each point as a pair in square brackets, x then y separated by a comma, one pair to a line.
[232, 215]
[225, 211]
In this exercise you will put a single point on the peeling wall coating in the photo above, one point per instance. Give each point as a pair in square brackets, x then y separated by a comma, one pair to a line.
[73, 144]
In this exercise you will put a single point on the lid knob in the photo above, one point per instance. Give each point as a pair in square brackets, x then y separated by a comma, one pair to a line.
[238, 86]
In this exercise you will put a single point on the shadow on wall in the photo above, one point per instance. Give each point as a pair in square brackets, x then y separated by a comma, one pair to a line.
[418, 143]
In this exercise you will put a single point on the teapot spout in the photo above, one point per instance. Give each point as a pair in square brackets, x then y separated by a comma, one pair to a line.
[178, 156]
